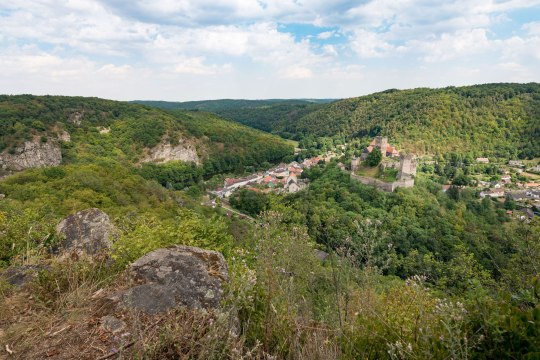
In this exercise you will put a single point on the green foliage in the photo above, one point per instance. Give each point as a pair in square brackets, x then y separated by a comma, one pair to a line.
[273, 116]
[233, 147]
[374, 157]
[148, 233]
[417, 273]
[174, 174]
[249, 202]
[122, 131]
[422, 228]
[25, 235]
[498, 120]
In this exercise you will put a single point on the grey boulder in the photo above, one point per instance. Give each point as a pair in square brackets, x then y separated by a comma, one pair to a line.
[88, 231]
[176, 276]
[22, 275]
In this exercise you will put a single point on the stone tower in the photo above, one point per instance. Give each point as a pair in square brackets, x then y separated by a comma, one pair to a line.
[382, 143]
[355, 163]
[407, 167]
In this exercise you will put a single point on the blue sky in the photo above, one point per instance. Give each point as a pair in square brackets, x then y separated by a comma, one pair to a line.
[208, 49]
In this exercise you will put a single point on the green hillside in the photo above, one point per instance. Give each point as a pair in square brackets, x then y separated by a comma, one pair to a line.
[494, 119]
[338, 270]
[272, 115]
[125, 132]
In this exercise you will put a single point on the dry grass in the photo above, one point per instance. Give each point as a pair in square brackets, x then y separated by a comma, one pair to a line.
[368, 171]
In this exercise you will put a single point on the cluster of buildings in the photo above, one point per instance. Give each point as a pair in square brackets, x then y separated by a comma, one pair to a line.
[497, 188]
[282, 178]
[526, 199]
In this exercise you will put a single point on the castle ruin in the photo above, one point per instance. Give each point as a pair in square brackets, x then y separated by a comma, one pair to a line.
[407, 167]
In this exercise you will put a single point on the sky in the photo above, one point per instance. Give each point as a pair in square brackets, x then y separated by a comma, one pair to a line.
[181, 50]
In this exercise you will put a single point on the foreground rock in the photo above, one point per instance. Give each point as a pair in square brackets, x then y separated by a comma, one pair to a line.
[31, 154]
[176, 276]
[88, 231]
[22, 275]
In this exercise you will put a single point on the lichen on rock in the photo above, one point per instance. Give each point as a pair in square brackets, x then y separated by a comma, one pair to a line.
[176, 276]
[88, 231]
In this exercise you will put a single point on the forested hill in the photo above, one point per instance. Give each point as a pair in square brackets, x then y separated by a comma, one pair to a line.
[271, 115]
[129, 132]
[492, 119]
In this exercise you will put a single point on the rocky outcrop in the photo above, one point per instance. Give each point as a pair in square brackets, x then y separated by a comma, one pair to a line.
[64, 136]
[76, 117]
[164, 152]
[88, 231]
[31, 154]
[22, 275]
[176, 276]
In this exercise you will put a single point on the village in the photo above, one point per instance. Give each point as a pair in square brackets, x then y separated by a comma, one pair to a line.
[284, 178]
[523, 195]
[397, 169]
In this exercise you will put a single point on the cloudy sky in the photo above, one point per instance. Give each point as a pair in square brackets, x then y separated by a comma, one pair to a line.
[210, 49]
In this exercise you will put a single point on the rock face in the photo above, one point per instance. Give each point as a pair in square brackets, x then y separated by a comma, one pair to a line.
[164, 152]
[76, 117]
[88, 231]
[32, 154]
[176, 276]
[64, 136]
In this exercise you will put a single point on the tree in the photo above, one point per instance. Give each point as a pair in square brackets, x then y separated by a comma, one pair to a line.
[509, 203]
[374, 157]
[250, 202]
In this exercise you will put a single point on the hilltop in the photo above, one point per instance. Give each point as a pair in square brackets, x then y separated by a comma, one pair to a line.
[90, 128]
[272, 115]
[494, 119]
[499, 120]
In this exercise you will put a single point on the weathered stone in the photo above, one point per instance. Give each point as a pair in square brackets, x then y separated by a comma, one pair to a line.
[111, 324]
[76, 118]
[104, 130]
[164, 152]
[176, 276]
[32, 154]
[21, 275]
[88, 231]
[321, 255]
[64, 136]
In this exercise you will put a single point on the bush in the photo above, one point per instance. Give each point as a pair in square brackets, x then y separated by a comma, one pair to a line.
[374, 157]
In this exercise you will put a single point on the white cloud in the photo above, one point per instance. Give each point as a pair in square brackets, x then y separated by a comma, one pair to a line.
[532, 28]
[196, 66]
[369, 44]
[449, 46]
[144, 47]
[297, 72]
[325, 35]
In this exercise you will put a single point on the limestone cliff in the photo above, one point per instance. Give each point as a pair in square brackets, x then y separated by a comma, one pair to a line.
[164, 152]
[31, 154]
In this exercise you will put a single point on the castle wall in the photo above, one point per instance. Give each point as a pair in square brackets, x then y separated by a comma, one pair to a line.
[385, 186]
